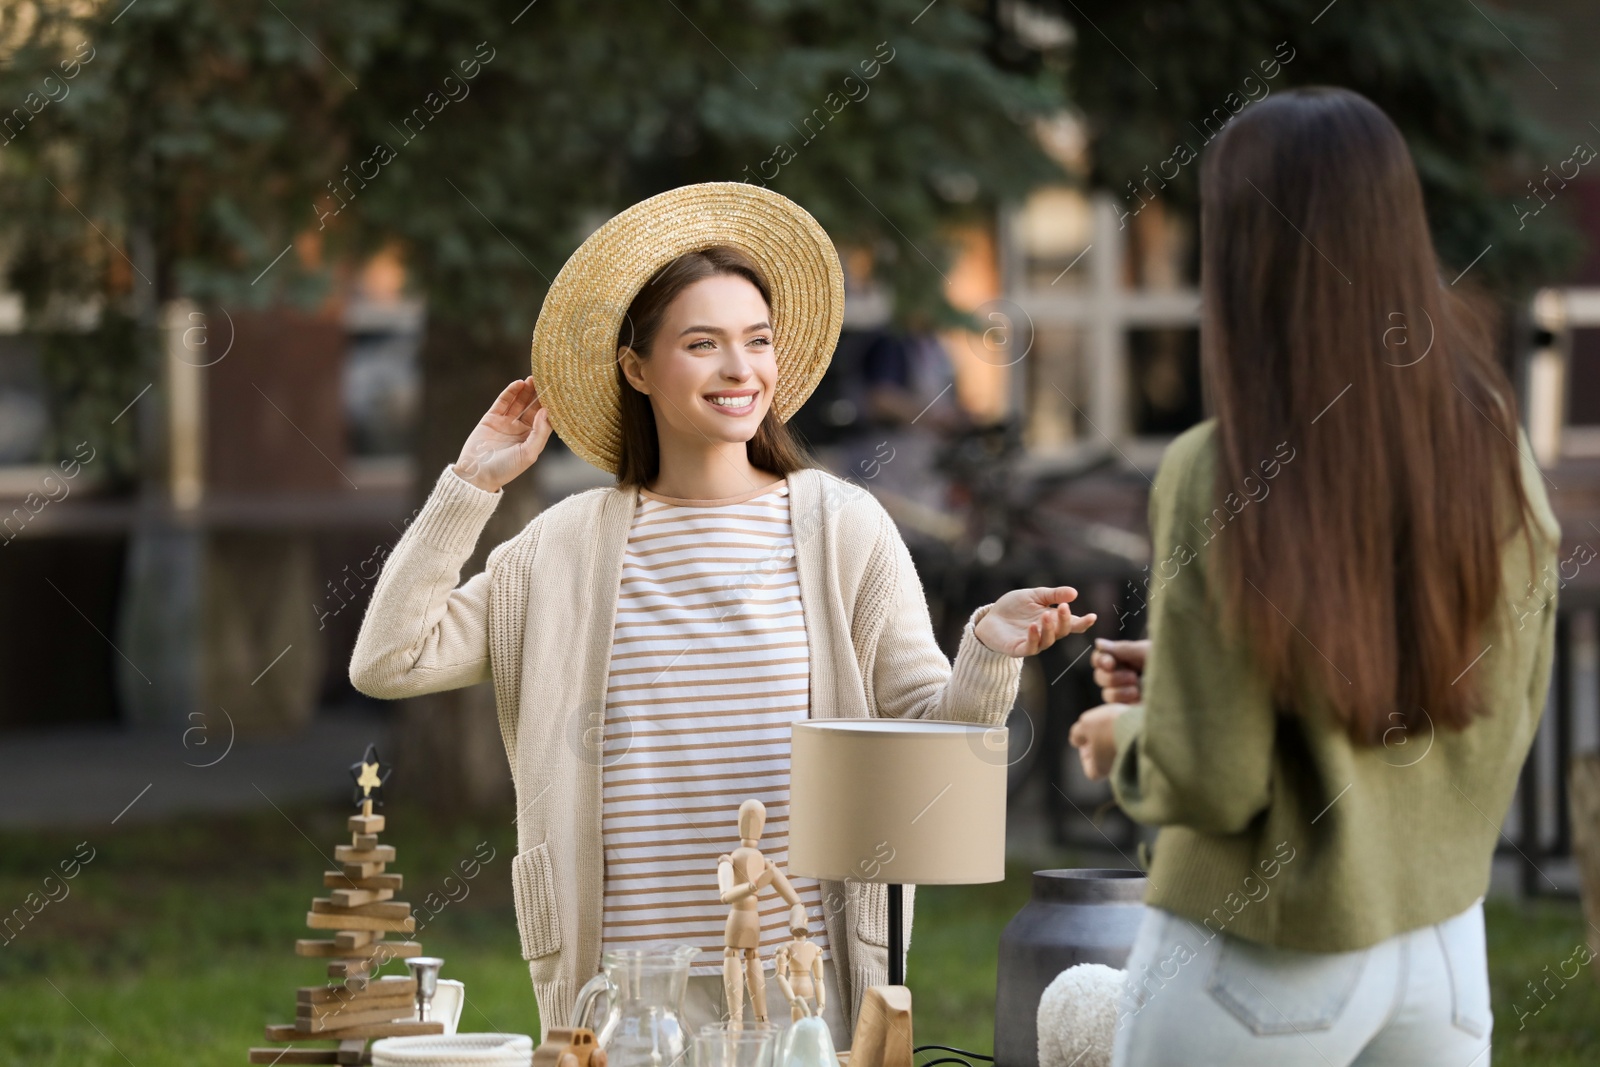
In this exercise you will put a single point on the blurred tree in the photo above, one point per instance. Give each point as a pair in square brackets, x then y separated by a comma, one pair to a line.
[196, 143]
[885, 120]
[1152, 76]
[147, 154]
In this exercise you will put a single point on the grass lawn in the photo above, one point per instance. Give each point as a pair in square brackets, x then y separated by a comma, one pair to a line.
[175, 943]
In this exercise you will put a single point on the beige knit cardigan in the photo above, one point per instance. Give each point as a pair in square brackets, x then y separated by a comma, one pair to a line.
[538, 622]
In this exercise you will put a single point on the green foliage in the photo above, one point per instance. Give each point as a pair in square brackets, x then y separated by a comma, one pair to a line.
[570, 121]
[89, 378]
[236, 153]
[162, 164]
[1146, 74]
[202, 138]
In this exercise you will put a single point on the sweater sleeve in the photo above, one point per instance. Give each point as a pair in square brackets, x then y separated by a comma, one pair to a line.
[1197, 750]
[422, 633]
[1549, 527]
[911, 677]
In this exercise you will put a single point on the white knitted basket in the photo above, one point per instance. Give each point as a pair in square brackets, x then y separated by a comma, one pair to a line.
[450, 1050]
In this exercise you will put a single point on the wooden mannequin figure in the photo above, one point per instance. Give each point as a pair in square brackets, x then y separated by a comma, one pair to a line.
[800, 962]
[741, 875]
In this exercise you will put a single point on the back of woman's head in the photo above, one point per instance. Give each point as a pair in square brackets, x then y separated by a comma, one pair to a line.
[1369, 571]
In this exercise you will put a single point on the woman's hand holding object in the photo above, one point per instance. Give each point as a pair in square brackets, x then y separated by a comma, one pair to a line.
[1118, 666]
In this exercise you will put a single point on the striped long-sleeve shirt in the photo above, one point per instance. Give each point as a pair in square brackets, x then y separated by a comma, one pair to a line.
[709, 669]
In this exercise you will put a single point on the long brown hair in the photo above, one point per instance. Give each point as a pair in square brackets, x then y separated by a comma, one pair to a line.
[773, 447]
[1326, 323]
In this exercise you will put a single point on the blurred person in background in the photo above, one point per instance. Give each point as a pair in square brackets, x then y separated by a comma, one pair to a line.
[907, 387]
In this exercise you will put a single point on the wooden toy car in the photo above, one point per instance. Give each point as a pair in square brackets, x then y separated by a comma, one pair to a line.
[569, 1046]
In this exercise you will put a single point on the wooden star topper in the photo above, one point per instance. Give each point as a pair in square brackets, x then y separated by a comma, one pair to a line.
[370, 773]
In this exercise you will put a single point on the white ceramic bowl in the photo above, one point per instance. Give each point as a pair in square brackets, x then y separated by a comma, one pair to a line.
[454, 1050]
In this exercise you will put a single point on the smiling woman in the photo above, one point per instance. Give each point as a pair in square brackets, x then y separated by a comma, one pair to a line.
[696, 362]
[653, 642]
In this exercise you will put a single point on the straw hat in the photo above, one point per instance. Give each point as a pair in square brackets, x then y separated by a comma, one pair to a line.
[575, 339]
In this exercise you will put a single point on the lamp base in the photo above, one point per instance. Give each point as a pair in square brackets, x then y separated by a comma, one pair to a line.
[897, 952]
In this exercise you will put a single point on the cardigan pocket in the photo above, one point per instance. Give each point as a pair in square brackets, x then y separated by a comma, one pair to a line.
[534, 887]
[1281, 990]
[872, 912]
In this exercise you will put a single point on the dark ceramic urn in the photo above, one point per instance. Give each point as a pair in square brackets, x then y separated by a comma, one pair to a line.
[1075, 916]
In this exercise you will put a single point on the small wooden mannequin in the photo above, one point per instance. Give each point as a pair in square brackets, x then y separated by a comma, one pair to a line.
[800, 962]
[741, 875]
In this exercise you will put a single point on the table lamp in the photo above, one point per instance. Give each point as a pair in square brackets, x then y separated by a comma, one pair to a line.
[897, 802]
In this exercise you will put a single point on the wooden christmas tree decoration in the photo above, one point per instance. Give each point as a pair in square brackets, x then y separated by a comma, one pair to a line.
[354, 1006]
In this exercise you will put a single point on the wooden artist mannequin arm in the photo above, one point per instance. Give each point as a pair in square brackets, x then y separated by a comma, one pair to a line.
[780, 881]
[729, 892]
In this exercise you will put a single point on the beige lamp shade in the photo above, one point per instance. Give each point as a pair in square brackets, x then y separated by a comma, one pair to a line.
[901, 801]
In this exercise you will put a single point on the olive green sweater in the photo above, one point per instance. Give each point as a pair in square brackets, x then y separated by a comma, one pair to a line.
[1276, 828]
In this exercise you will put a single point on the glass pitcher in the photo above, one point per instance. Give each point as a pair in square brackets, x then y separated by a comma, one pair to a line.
[644, 987]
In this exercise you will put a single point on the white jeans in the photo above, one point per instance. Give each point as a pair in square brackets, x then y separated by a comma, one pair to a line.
[1198, 996]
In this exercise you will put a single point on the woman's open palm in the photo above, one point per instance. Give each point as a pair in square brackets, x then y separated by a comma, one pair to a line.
[507, 439]
[1025, 622]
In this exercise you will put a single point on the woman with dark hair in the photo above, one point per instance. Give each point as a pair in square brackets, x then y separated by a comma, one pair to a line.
[652, 642]
[1349, 645]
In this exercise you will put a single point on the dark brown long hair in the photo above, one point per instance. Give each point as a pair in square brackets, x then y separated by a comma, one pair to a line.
[773, 447]
[1369, 573]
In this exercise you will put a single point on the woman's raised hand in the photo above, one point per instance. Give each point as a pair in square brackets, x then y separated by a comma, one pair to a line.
[1025, 622]
[1118, 668]
[507, 439]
